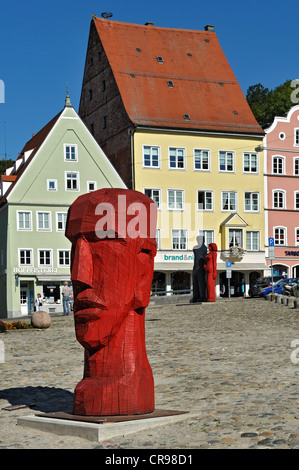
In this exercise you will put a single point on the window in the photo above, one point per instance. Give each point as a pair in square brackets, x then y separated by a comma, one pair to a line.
[177, 158]
[235, 237]
[278, 199]
[280, 236]
[229, 201]
[251, 202]
[250, 162]
[64, 258]
[208, 236]
[296, 166]
[70, 153]
[226, 161]
[45, 257]
[24, 220]
[72, 181]
[175, 199]
[278, 165]
[179, 239]
[205, 200]
[91, 186]
[61, 220]
[158, 238]
[25, 257]
[252, 241]
[154, 194]
[51, 185]
[201, 160]
[43, 220]
[296, 136]
[297, 236]
[151, 157]
[297, 200]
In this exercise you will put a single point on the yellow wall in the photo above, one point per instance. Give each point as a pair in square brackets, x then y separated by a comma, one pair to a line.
[190, 180]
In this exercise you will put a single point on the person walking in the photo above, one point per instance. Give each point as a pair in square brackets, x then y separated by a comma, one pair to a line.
[38, 303]
[66, 298]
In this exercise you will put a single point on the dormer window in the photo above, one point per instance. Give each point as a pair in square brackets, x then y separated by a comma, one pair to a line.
[186, 117]
[70, 153]
[160, 59]
[170, 83]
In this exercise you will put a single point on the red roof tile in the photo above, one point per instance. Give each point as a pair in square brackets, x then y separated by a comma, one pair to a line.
[204, 85]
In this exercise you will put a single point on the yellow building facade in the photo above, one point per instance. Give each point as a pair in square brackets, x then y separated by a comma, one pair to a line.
[203, 184]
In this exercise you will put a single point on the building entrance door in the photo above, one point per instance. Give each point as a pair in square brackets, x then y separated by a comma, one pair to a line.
[24, 298]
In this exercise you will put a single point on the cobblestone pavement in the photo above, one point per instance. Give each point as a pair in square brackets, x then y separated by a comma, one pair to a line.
[231, 362]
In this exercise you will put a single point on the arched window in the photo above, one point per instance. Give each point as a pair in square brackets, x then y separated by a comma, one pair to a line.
[278, 165]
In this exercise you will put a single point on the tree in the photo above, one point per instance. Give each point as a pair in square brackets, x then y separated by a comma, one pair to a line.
[5, 164]
[266, 104]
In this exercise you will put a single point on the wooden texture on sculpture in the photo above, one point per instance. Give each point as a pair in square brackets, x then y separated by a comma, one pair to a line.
[112, 232]
[211, 268]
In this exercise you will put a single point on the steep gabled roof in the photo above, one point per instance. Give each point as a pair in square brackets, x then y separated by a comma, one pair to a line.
[205, 94]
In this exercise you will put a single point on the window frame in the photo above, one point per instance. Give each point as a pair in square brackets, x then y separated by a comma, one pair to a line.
[38, 229]
[77, 173]
[183, 199]
[296, 236]
[40, 265]
[278, 157]
[241, 230]
[284, 229]
[151, 166]
[75, 146]
[296, 195]
[57, 221]
[226, 164]
[64, 250]
[205, 191]
[296, 137]
[50, 180]
[201, 233]
[258, 240]
[31, 257]
[19, 229]
[95, 186]
[251, 210]
[296, 160]
[236, 201]
[250, 171]
[186, 238]
[279, 191]
[209, 159]
[176, 168]
[160, 198]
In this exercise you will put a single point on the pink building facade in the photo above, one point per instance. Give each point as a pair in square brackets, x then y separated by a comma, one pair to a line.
[281, 160]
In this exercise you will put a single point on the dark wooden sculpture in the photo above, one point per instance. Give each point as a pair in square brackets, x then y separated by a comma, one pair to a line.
[113, 248]
[211, 268]
[199, 273]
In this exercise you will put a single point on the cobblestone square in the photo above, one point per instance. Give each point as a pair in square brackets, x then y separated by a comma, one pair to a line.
[232, 362]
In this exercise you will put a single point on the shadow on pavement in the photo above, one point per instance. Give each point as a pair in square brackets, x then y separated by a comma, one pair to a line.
[45, 399]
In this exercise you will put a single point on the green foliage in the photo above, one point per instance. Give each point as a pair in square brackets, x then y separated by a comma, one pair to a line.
[266, 104]
[5, 164]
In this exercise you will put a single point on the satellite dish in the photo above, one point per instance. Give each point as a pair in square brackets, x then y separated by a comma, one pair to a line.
[106, 14]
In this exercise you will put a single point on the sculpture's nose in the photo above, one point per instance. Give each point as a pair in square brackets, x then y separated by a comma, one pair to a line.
[82, 265]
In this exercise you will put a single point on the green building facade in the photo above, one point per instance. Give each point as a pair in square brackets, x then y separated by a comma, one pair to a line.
[57, 165]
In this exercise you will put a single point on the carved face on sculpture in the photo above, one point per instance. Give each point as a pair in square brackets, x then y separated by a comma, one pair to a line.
[113, 249]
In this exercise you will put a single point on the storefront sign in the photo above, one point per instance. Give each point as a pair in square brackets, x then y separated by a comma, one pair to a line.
[183, 257]
[34, 270]
[291, 253]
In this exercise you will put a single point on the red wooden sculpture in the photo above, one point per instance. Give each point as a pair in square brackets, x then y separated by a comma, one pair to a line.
[113, 248]
[211, 268]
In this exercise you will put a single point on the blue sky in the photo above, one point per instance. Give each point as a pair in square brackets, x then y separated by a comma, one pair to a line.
[43, 46]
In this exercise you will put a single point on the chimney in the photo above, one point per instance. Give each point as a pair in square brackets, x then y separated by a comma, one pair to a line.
[148, 23]
[209, 28]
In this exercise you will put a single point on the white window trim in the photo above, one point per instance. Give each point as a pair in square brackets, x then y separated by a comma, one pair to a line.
[51, 258]
[286, 235]
[296, 243]
[295, 193]
[187, 239]
[284, 199]
[294, 164]
[234, 161]
[18, 221]
[296, 129]
[95, 186]
[283, 164]
[258, 202]
[31, 257]
[151, 167]
[200, 233]
[241, 230]
[76, 152]
[50, 222]
[59, 229]
[185, 158]
[158, 238]
[58, 261]
[183, 200]
[259, 240]
[48, 183]
[78, 180]
[209, 159]
[205, 191]
[160, 195]
[257, 164]
[237, 201]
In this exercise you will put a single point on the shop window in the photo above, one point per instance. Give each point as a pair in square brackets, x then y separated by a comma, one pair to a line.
[180, 282]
